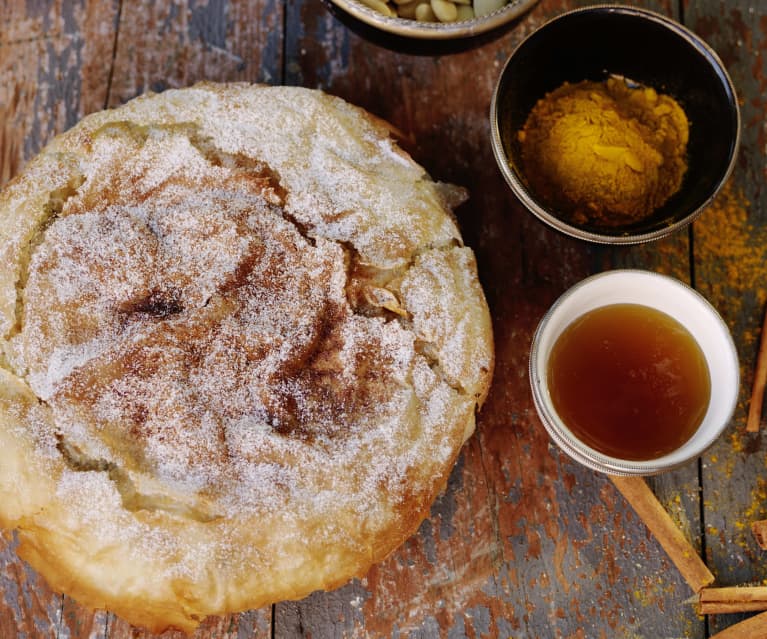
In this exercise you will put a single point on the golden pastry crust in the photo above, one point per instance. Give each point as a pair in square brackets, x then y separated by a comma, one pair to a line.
[241, 345]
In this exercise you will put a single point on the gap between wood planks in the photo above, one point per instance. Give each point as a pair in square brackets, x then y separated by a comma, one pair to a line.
[110, 75]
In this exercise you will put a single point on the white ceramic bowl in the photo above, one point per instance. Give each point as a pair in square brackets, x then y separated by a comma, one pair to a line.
[669, 296]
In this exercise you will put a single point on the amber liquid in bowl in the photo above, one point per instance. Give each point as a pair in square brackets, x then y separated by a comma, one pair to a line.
[629, 381]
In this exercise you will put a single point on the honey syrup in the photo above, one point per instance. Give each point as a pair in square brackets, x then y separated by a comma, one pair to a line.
[629, 381]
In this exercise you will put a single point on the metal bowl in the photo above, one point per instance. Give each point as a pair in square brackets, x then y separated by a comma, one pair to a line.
[427, 38]
[650, 49]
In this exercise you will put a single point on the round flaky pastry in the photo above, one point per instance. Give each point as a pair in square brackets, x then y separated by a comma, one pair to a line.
[241, 346]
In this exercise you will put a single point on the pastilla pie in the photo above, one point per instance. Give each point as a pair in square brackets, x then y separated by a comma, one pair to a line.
[241, 345]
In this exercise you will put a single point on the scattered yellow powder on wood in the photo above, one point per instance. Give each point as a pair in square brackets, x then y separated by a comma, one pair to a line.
[732, 273]
[604, 153]
[733, 268]
[731, 243]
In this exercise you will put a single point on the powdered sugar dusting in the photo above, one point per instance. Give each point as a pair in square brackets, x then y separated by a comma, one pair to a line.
[329, 159]
[186, 319]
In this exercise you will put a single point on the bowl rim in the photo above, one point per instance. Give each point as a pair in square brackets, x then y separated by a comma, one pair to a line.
[434, 30]
[520, 190]
[555, 426]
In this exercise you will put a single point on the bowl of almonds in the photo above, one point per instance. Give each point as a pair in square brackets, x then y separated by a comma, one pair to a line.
[429, 26]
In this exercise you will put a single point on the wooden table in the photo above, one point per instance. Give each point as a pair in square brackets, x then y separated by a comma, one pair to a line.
[523, 543]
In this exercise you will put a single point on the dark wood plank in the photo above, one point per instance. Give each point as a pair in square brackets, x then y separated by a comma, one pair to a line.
[78, 622]
[28, 607]
[531, 544]
[254, 624]
[54, 65]
[523, 542]
[167, 44]
[170, 44]
[678, 490]
[731, 270]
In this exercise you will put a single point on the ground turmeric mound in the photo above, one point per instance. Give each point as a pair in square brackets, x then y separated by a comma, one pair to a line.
[604, 153]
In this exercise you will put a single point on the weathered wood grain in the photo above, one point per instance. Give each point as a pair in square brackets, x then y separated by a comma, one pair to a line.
[731, 270]
[664, 529]
[163, 45]
[55, 60]
[677, 490]
[76, 622]
[255, 624]
[556, 548]
[58, 62]
[170, 44]
[523, 542]
[27, 606]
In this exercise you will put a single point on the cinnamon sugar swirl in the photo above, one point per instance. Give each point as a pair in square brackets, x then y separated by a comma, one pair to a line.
[241, 345]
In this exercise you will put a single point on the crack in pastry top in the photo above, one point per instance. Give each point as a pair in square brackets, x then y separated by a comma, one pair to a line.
[188, 319]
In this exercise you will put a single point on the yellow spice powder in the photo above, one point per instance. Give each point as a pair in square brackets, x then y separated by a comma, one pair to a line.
[605, 153]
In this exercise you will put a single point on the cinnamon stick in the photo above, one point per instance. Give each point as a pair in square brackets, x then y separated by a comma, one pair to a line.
[760, 381]
[651, 511]
[714, 601]
[759, 530]
[752, 628]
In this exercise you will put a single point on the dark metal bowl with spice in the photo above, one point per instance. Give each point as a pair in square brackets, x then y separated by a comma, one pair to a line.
[615, 124]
